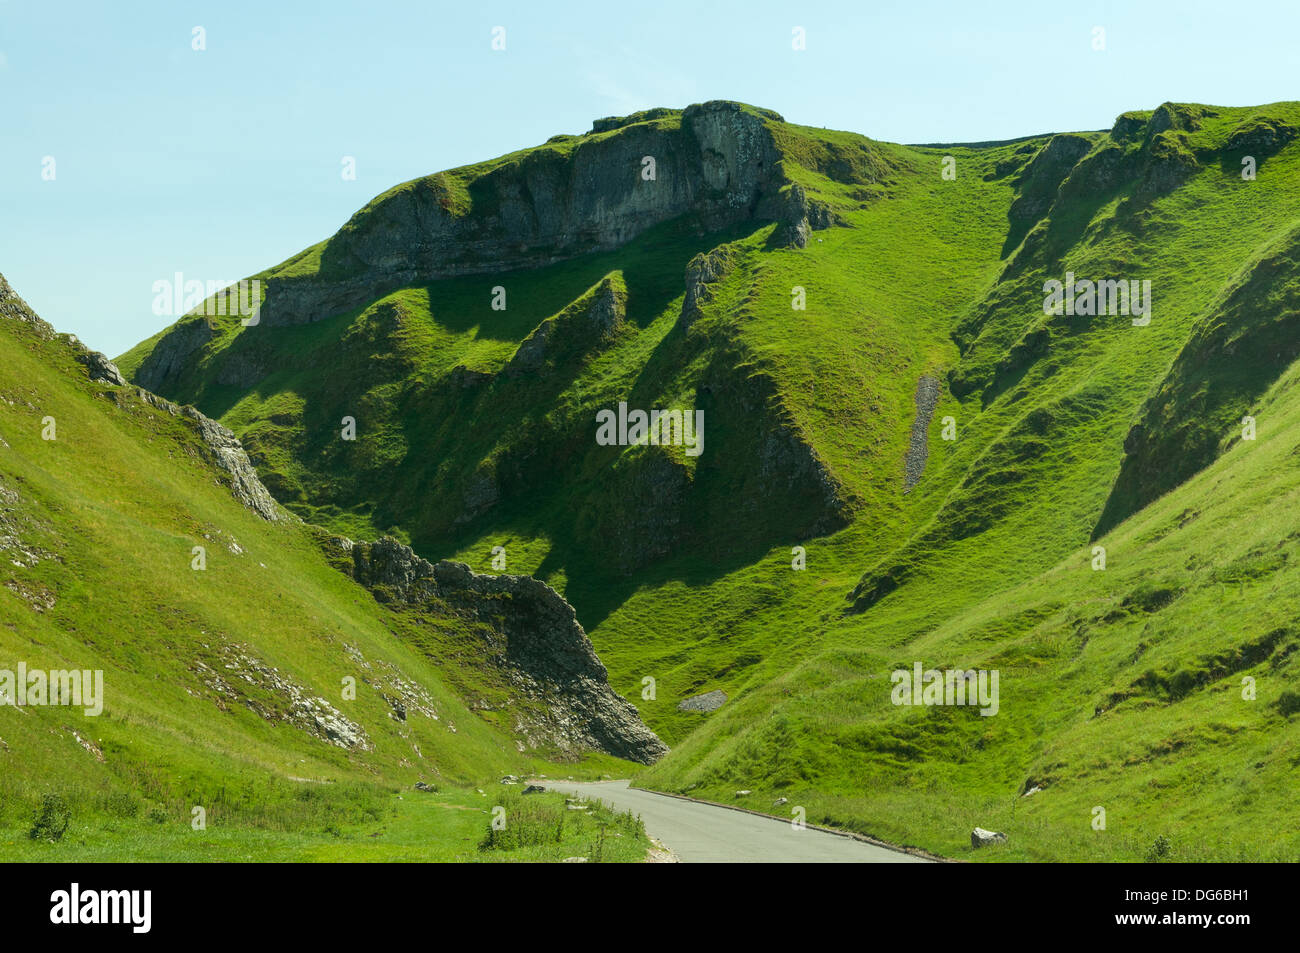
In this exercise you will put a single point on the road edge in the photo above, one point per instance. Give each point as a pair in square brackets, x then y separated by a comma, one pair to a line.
[851, 835]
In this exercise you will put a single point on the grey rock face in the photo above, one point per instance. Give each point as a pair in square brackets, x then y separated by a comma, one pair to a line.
[286, 701]
[170, 354]
[535, 639]
[221, 445]
[982, 838]
[802, 216]
[102, 369]
[584, 326]
[14, 308]
[721, 163]
[703, 272]
[224, 449]
[97, 365]
[918, 448]
[1044, 174]
[709, 701]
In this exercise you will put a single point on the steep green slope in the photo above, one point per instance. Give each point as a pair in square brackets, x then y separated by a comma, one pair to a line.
[476, 430]
[225, 687]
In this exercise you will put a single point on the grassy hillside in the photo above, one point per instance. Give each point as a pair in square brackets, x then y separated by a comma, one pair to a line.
[224, 687]
[1121, 688]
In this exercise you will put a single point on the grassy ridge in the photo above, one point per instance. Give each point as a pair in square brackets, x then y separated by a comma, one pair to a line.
[99, 527]
[1121, 688]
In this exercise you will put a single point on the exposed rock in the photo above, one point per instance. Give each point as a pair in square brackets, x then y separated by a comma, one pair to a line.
[640, 520]
[918, 448]
[224, 449]
[172, 352]
[583, 327]
[801, 216]
[531, 634]
[982, 838]
[703, 272]
[1261, 137]
[709, 701]
[98, 365]
[15, 308]
[466, 378]
[279, 698]
[1044, 175]
[1128, 126]
[720, 163]
[241, 368]
[480, 496]
[221, 445]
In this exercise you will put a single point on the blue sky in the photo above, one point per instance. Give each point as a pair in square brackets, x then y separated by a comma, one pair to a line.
[220, 162]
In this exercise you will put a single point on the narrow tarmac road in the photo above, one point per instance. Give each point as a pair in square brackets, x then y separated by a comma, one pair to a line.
[703, 833]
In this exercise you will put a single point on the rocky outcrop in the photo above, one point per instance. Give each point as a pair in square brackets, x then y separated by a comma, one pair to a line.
[982, 838]
[801, 216]
[703, 273]
[719, 163]
[585, 326]
[101, 369]
[531, 635]
[1044, 175]
[14, 308]
[223, 448]
[171, 353]
[219, 444]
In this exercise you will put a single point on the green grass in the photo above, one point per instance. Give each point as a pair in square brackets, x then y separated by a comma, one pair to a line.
[99, 526]
[1121, 689]
[446, 826]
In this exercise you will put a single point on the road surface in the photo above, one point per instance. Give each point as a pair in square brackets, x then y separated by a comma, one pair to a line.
[703, 833]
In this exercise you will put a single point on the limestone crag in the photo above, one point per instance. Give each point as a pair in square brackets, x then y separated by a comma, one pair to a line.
[533, 637]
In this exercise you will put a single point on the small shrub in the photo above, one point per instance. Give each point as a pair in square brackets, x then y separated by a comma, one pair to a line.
[1288, 703]
[1159, 850]
[52, 819]
[120, 804]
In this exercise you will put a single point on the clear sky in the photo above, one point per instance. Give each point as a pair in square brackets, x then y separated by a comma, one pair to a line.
[219, 162]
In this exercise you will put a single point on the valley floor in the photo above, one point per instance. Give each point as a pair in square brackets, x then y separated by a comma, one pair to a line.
[417, 827]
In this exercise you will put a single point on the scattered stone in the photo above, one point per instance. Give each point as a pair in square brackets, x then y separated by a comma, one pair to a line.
[709, 701]
[279, 699]
[982, 838]
[743, 793]
[421, 786]
[574, 860]
[918, 450]
[534, 789]
[780, 801]
[1034, 790]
